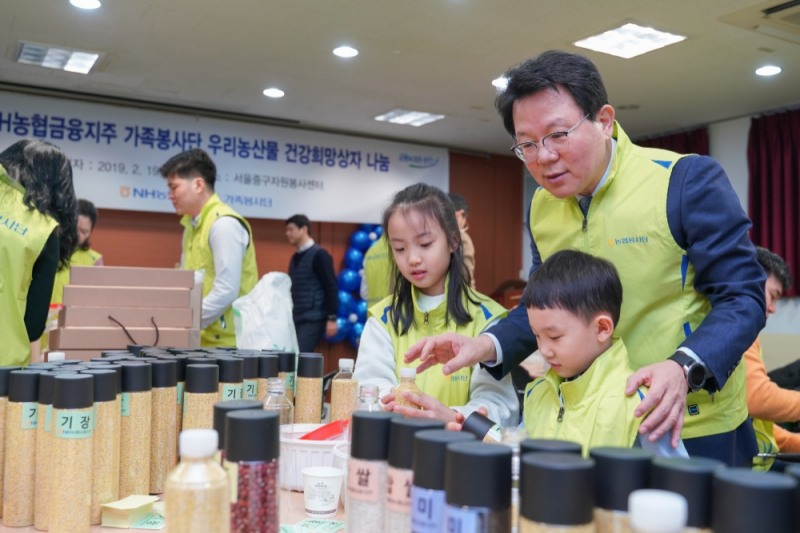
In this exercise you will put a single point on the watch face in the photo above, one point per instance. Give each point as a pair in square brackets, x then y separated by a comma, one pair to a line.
[696, 376]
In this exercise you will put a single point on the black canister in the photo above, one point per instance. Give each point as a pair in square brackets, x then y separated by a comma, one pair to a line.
[745, 501]
[618, 472]
[222, 409]
[691, 478]
[366, 471]
[249, 375]
[556, 489]
[267, 368]
[201, 392]
[483, 428]
[308, 391]
[231, 377]
[286, 371]
[549, 446]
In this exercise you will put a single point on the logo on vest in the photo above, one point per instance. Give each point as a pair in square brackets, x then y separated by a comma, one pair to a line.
[693, 409]
[625, 241]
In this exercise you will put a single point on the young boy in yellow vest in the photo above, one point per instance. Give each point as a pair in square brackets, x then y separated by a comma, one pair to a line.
[573, 302]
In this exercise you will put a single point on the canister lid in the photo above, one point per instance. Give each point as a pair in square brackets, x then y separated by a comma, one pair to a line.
[430, 446]
[180, 361]
[401, 439]
[5, 372]
[165, 373]
[107, 383]
[250, 362]
[73, 391]
[136, 376]
[477, 424]
[370, 435]
[556, 488]
[252, 435]
[23, 386]
[231, 369]
[310, 365]
[202, 378]
[478, 474]
[286, 361]
[221, 409]
[549, 445]
[201, 360]
[692, 478]
[46, 383]
[745, 500]
[618, 472]
[267, 366]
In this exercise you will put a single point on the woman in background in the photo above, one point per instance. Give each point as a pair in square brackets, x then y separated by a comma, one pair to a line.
[83, 255]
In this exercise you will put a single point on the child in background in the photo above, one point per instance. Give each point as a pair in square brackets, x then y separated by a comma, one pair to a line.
[431, 296]
[573, 302]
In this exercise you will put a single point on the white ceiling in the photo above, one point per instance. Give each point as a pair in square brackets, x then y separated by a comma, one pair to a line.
[434, 55]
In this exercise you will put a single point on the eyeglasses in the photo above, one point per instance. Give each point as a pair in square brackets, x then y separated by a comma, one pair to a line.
[554, 142]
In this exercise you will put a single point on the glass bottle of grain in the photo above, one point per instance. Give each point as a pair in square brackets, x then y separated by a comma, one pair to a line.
[5, 372]
[366, 476]
[197, 494]
[286, 371]
[343, 391]
[164, 426]
[249, 376]
[231, 378]
[308, 399]
[618, 472]
[135, 428]
[44, 456]
[267, 368]
[408, 382]
[200, 395]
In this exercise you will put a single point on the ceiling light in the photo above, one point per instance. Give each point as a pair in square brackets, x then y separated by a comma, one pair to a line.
[409, 118]
[629, 40]
[85, 4]
[500, 83]
[60, 58]
[345, 51]
[273, 92]
[768, 70]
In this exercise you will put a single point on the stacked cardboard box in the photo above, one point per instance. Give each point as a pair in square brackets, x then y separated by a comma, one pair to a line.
[100, 300]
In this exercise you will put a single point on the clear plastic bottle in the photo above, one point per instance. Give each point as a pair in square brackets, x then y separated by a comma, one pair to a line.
[368, 399]
[343, 391]
[197, 490]
[408, 382]
[277, 401]
[512, 437]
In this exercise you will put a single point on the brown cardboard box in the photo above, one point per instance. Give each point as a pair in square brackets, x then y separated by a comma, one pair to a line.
[143, 296]
[130, 317]
[108, 276]
[114, 338]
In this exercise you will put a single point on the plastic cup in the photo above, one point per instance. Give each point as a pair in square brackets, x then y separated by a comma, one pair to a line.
[321, 488]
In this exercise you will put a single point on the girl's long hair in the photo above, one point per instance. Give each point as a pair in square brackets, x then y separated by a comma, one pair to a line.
[432, 204]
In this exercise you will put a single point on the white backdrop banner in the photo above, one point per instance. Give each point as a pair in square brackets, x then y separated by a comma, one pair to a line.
[262, 171]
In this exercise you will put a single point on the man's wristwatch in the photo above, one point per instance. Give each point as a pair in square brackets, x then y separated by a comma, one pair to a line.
[696, 372]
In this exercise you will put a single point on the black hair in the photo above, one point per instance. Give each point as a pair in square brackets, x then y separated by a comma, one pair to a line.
[459, 202]
[553, 70]
[301, 221]
[44, 171]
[87, 209]
[191, 164]
[576, 282]
[773, 264]
[431, 203]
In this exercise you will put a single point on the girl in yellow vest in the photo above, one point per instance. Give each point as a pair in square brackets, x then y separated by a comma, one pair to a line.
[431, 296]
[83, 255]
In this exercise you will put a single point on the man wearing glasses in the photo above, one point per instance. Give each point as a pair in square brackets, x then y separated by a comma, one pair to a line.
[674, 229]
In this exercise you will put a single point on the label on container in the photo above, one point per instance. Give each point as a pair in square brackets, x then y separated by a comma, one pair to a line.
[179, 391]
[398, 489]
[250, 389]
[231, 391]
[494, 435]
[48, 418]
[363, 479]
[30, 415]
[466, 519]
[288, 380]
[125, 404]
[73, 424]
[427, 510]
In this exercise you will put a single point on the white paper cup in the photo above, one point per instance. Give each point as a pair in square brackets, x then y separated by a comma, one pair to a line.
[321, 488]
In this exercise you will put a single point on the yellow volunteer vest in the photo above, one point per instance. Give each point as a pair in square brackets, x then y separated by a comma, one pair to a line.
[378, 271]
[627, 225]
[591, 409]
[23, 234]
[453, 389]
[197, 256]
[765, 436]
[79, 258]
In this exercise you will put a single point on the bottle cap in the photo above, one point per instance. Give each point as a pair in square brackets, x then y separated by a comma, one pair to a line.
[310, 365]
[556, 488]
[408, 372]
[549, 445]
[252, 435]
[250, 365]
[618, 472]
[165, 373]
[116, 357]
[5, 372]
[286, 362]
[136, 376]
[56, 356]
[347, 364]
[267, 366]
[370, 435]
[657, 511]
[23, 386]
[231, 369]
[107, 383]
[477, 424]
[430, 446]
[180, 361]
[221, 410]
[198, 443]
[401, 439]
[738, 492]
[46, 383]
[478, 474]
[73, 391]
[692, 478]
[202, 378]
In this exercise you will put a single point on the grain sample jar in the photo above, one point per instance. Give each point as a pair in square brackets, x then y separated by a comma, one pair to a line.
[70, 500]
[344, 390]
[286, 371]
[691, 478]
[249, 375]
[105, 454]
[231, 377]
[197, 495]
[5, 371]
[44, 457]
[221, 410]
[163, 428]
[408, 382]
[549, 445]
[252, 447]
[483, 428]
[200, 395]
[135, 427]
[180, 377]
[22, 414]
[366, 471]
[400, 472]
[278, 402]
[308, 399]
[267, 368]
[427, 491]
[556, 493]
[618, 472]
[747, 501]
[657, 511]
[477, 481]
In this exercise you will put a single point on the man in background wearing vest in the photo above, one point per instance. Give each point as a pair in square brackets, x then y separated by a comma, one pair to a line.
[217, 241]
[314, 291]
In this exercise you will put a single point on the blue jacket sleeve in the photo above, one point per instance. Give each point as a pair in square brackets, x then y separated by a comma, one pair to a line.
[707, 220]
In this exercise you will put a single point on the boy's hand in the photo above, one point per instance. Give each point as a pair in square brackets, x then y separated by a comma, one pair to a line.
[428, 407]
[452, 350]
[459, 422]
[665, 403]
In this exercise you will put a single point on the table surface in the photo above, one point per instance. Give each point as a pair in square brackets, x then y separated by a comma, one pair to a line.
[291, 513]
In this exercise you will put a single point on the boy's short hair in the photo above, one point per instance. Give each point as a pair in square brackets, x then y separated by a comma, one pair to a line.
[301, 221]
[774, 265]
[576, 282]
[190, 164]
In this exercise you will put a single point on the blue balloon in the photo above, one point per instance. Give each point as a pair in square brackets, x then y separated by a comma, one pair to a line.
[378, 231]
[349, 280]
[343, 332]
[367, 227]
[361, 310]
[355, 334]
[354, 259]
[360, 240]
[347, 304]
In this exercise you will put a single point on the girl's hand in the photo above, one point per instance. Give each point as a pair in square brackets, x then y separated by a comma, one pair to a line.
[457, 424]
[428, 407]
